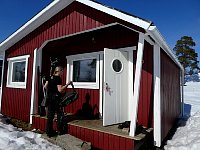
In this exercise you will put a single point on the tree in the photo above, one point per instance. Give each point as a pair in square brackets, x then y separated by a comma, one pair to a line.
[187, 55]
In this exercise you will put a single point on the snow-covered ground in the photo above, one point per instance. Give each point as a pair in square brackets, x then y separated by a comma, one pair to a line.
[12, 138]
[187, 136]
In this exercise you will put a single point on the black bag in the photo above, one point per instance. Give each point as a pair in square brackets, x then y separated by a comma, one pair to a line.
[68, 97]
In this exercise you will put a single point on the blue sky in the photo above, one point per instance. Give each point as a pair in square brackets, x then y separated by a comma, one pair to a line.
[173, 18]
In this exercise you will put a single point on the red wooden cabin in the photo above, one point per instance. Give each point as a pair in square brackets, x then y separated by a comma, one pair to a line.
[119, 63]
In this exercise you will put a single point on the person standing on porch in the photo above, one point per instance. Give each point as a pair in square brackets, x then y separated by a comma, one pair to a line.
[54, 88]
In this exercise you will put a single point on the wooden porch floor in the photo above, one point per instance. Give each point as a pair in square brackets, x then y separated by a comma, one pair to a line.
[97, 125]
[100, 137]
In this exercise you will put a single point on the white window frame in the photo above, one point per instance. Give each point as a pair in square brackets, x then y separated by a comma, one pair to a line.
[84, 85]
[11, 61]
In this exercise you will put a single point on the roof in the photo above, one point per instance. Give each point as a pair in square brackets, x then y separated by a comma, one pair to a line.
[57, 5]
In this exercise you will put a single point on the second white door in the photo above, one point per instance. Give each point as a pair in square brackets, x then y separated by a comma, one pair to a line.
[115, 103]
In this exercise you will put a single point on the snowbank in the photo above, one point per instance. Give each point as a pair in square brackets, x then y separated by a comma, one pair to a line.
[187, 136]
[12, 138]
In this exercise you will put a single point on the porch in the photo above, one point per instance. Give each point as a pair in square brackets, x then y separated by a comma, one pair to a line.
[100, 137]
[90, 42]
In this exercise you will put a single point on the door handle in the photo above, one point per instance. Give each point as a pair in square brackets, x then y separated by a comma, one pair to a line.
[107, 87]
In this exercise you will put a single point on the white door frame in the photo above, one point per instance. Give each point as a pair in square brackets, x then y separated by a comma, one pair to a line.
[130, 83]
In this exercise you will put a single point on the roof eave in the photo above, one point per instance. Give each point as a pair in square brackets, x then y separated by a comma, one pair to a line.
[128, 18]
[56, 6]
[48, 12]
[153, 30]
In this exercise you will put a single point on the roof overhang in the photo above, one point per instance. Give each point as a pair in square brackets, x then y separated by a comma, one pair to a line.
[128, 18]
[56, 6]
[113, 29]
[44, 15]
[156, 35]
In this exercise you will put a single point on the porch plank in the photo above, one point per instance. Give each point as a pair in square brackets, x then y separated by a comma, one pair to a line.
[97, 125]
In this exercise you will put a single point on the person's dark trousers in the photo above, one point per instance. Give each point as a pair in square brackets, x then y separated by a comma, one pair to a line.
[53, 108]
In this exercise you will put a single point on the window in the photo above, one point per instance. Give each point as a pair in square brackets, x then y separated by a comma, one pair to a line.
[83, 70]
[17, 71]
[117, 65]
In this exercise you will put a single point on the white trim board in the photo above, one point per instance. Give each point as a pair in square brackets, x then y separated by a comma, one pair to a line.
[37, 62]
[136, 92]
[2, 81]
[33, 89]
[157, 104]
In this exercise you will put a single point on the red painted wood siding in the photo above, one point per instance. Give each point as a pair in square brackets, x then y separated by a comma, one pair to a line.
[75, 18]
[39, 123]
[145, 108]
[170, 93]
[83, 93]
[16, 102]
[101, 140]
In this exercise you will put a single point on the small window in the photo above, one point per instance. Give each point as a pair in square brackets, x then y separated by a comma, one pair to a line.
[83, 70]
[117, 65]
[17, 71]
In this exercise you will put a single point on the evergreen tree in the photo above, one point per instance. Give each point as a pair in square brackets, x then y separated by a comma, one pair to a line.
[187, 55]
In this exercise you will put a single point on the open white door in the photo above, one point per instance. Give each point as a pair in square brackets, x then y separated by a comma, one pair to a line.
[115, 104]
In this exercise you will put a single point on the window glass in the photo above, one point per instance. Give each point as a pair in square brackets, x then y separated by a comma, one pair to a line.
[18, 72]
[117, 65]
[84, 70]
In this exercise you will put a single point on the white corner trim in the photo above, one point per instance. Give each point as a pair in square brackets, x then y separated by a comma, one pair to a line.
[130, 83]
[2, 81]
[137, 84]
[149, 40]
[33, 89]
[101, 85]
[182, 93]
[157, 104]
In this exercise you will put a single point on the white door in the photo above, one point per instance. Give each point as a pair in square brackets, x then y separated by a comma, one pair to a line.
[115, 104]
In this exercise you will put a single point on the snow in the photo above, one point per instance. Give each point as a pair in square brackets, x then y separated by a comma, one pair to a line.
[12, 138]
[187, 136]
